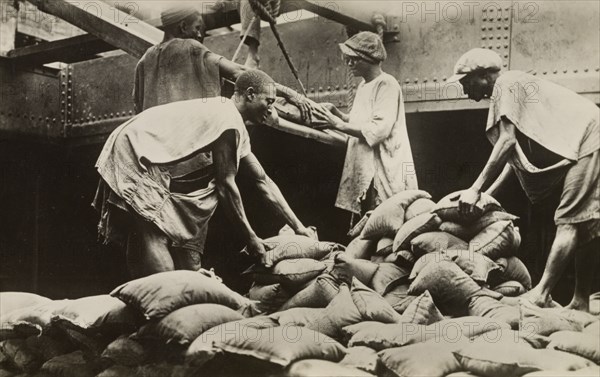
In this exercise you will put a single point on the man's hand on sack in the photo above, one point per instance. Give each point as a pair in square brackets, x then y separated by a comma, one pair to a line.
[309, 231]
[260, 248]
[305, 107]
[467, 201]
[324, 113]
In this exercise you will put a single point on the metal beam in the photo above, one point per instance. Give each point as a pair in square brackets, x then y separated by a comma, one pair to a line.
[105, 22]
[338, 11]
[70, 50]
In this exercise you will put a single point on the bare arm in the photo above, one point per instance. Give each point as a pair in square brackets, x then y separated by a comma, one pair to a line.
[498, 159]
[251, 169]
[506, 173]
[138, 89]
[224, 160]
[381, 120]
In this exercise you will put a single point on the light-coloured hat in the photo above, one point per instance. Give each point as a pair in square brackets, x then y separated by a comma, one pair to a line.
[177, 12]
[475, 60]
[365, 45]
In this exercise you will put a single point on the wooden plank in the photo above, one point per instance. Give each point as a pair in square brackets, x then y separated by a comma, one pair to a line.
[68, 50]
[107, 23]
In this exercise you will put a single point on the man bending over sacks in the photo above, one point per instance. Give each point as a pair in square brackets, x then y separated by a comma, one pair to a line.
[548, 136]
[156, 215]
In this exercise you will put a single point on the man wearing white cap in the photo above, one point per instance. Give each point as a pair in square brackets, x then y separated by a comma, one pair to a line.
[379, 160]
[547, 136]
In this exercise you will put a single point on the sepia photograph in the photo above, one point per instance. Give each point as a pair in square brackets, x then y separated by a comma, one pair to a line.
[299, 188]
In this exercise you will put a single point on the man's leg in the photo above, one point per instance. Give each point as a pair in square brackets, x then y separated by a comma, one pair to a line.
[147, 250]
[586, 262]
[250, 25]
[561, 253]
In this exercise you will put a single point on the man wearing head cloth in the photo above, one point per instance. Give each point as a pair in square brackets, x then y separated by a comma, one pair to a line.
[180, 68]
[548, 136]
[379, 160]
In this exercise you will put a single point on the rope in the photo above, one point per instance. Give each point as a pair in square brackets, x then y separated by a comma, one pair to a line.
[268, 10]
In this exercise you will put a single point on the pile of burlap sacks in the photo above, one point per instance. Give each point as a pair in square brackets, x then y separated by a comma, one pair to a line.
[420, 291]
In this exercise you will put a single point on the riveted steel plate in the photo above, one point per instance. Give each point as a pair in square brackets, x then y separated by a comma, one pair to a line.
[433, 35]
[558, 40]
[29, 103]
[102, 89]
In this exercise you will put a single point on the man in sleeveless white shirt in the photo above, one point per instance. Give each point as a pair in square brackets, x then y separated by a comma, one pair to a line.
[547, 136]
[163, 213]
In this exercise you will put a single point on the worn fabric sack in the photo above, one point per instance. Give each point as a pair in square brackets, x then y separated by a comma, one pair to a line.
[290, 273]
[270, 297]
[340, 312]
[577, 343]
[380, 336]
[184, 325]
[385, 246]
[477, 266]
[512, 268]
[17, 355]
[431, 359]
[545, 321]
[360, 248]
[371, 305]
[283, 345]
[450, 287]
[399, 298]
[317, 294]
[46, 347]
[447, 208]
[468, 231]
[388, 217]
[127, 352]
[69, 365]
[427, 222]
[508, 337]
[510, 288]
[592, 329]
[298, 316]
[422, 311]
[418, 207]
[31, 320]
[432, 242]
[388, 276]
[345, 269]
[363, 358]
[103, 314]
[501, 239]
[203, 347]
[593, 371]
[487, 307]
[296, 247]
[11, 301]
[160, 294]
[320, 368]
[490, 359]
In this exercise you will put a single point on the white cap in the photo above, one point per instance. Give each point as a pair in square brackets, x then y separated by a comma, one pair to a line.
[475, 60]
